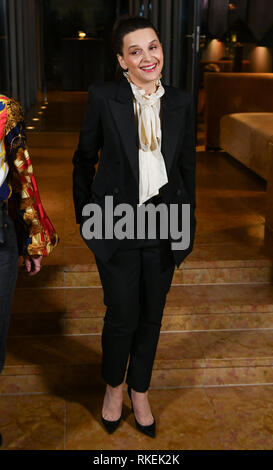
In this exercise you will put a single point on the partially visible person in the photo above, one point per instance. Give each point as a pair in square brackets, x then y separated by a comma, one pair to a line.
[25, 228]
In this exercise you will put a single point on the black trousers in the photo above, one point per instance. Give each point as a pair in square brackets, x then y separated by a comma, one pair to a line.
[8, 276]
[135, 283]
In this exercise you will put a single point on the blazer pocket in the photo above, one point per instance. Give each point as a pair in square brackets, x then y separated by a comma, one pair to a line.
[181, 195]
[98, 187]
[179, 192]
[181, 187]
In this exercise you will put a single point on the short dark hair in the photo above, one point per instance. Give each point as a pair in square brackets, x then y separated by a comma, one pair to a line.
[127, 24]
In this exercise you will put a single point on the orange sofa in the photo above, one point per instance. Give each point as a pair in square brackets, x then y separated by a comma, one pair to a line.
[227, 93]
[246, 136]
[239, 119]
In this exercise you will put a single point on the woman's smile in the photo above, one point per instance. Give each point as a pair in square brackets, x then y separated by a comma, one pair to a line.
[149, 68]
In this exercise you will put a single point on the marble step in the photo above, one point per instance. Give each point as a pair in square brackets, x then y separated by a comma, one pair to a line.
[233, 271]
[60, 311]
[184, 359]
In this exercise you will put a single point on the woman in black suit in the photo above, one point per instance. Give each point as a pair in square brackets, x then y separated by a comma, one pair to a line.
[146, 135]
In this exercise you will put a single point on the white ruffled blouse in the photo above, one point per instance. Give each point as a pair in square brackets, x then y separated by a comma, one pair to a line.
[152, 169]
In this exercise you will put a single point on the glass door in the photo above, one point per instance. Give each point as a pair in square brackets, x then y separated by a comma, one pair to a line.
[193, 31]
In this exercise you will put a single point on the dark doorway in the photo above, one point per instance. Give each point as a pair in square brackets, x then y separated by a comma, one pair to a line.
[77, 43]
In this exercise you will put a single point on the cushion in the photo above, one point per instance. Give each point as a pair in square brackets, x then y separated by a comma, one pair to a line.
[246, 136]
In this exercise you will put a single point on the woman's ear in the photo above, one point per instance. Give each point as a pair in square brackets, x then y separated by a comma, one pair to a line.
[122, 62]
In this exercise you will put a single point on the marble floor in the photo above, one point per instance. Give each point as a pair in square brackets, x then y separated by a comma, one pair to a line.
[213, 379]
[211, 418]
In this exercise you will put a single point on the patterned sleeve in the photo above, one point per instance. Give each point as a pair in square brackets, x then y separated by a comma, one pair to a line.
[36, 233]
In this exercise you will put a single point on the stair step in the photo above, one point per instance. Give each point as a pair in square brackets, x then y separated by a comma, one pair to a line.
[190, 273]
[86, 303]
[62, 311]
[47, 363]
[54, 324]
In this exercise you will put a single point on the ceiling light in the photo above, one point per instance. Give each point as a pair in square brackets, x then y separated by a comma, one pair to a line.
[81, 34]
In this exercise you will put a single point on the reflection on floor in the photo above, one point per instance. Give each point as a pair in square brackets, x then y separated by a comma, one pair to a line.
[213, 368]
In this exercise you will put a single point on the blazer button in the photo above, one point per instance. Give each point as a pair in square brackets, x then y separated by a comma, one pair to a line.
[178, 192]
[116, 190]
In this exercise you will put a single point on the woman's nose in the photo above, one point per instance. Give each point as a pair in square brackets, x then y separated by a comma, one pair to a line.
[147, 56]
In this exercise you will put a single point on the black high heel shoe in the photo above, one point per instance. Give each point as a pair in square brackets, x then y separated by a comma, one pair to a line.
[110, 426]
[148, 430]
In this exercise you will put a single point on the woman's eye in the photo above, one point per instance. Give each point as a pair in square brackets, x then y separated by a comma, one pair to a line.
[134, 52]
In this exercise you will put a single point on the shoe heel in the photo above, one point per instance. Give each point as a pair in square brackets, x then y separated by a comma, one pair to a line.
[149, 430]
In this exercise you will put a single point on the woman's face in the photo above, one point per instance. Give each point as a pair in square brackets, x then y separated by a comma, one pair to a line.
[141, 49]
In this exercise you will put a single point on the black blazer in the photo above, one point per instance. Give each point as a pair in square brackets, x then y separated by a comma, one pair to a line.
[110, 125]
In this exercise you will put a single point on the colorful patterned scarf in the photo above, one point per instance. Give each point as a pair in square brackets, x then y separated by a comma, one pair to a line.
[35, 232]
[5, 189]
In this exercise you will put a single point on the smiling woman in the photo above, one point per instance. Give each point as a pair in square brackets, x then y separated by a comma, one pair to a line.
[146, 127]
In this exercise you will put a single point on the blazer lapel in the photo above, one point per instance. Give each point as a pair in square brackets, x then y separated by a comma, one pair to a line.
[122, 109]
[171, 123]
